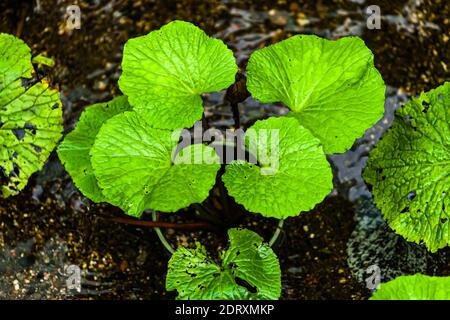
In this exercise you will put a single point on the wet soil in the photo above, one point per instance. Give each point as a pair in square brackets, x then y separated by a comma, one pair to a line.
[50, 225]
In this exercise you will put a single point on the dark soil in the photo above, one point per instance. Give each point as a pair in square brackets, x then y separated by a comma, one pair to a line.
[51, 225]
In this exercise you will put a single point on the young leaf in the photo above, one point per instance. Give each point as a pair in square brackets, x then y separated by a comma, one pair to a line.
[42, 60]
[30, 117]
[409, 170]
[416, 287]
[195, 275]
[292, 174]
[74, 150]
[331, 87]
[166, 71]
[136, 170]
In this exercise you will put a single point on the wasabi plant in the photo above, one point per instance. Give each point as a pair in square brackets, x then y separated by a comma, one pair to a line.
[414, 287]
[30, 116]
[409, 170]
[128, 152]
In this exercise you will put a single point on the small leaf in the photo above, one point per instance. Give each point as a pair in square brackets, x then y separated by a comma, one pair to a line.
[415, 287]
[30, 117]
[74, 150]
[292, 174]
[248, 260]
[166, 71]
[331, 87]
[43, 60]
[136, 170]
[409, 170]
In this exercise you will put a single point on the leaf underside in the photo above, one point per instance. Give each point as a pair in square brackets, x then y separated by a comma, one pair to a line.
[30, 117]
[409, 170]
[292, 174]
[331, 87]
[196, 276]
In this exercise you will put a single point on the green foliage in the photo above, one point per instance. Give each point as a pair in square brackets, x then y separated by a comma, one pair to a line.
[74, 150]
[42, 60]
[292, 175]
[409, 170]
[30, 117]
[196, 276]
[166, 71]
[137, 168]
[327, 85]
[331, 87]
[416, 287]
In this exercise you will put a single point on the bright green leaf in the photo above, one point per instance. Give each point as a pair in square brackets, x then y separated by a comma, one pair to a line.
[74, 150]
[40, 59]
[166, 71]
[30, 117]
[331, 87]
[409, 170]
[292, 174]
[416, 287]
[196, 276]
[15, 63]
[135, 169]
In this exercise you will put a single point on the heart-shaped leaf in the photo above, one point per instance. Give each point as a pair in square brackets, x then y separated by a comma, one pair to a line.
[409, 170]
[166, 71]
[292, 174]
[136, 168]
[331, 87]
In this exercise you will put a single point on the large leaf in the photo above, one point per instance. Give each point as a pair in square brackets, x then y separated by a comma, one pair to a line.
[166, 71]
[331, 87]
[409, 170]
[74, 150]
[136, 168]
[196, 276]
[30, 117]
[416, 287]
[292, 174]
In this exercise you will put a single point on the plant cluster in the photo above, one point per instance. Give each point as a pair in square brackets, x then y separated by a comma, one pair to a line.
[127, 151]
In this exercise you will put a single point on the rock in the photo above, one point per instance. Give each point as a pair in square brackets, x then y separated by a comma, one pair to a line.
[373, 243]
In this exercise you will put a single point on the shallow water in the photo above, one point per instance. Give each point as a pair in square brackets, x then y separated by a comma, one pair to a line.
[51, 225]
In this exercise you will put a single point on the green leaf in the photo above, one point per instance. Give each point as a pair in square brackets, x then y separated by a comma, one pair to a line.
[15, 63]
[416, 287]
[136, 170]
[30, 118]
[40, 59]
[74, 150]
[409, 170]
[196, 276]
[293, 174]
[166, 71]
[331, 87]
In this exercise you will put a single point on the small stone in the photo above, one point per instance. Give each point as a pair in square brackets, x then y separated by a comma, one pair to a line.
[16, 285]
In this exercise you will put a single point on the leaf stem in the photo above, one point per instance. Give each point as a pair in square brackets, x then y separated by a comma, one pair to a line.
[277, 233]
[161, 224]
[160, 235]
